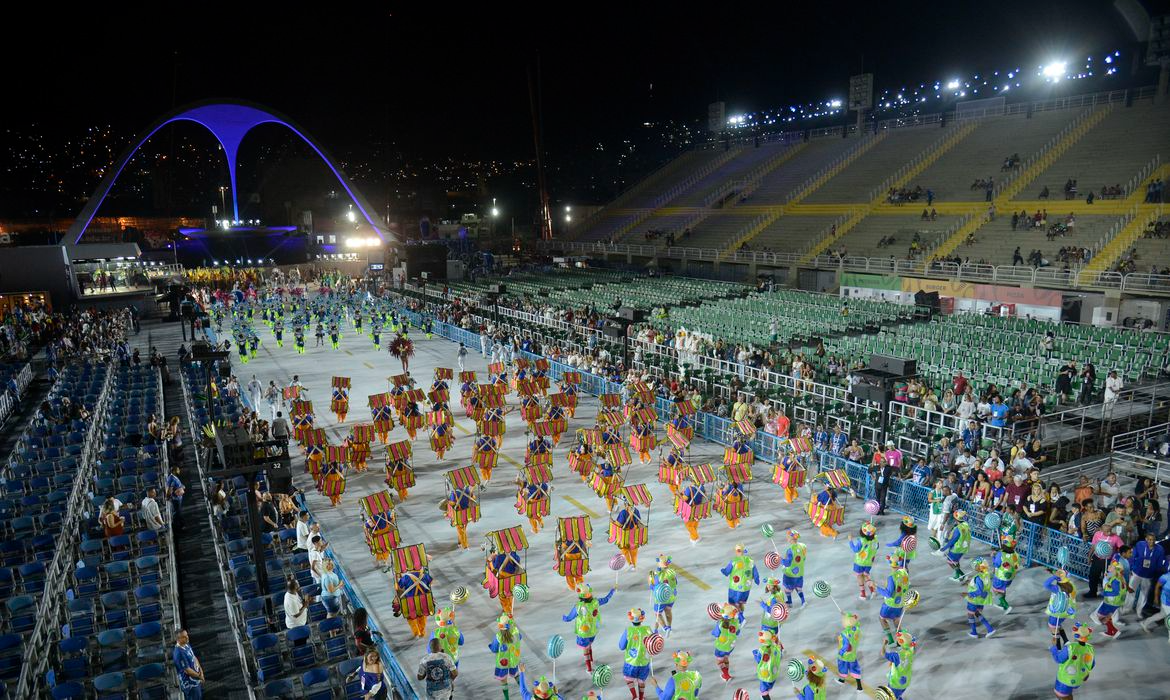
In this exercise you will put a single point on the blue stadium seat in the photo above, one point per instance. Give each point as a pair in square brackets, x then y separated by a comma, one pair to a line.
[150, 682]
[111, 686]
[69, 691]
[148, 639]
[73, 658]
[280, 690]
[317, 684]
[268, 661]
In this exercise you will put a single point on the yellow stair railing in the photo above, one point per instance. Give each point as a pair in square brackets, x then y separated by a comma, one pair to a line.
[1049, 155]
[948, 246]
[899, 179]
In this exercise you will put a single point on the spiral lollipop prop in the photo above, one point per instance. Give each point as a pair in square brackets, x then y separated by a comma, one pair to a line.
[795, 670]
[822, 589]
[654, 644]
[872, 508]
[779, 612]
[772, 560]
[602, 675]
[459, 595]
[741, 694]
[910, 543]
[520, 593]
[1103, 549]
[662, 593]
[714, 611]
[1062, 555]
[616, 563]
[911, 602]
[767, 531]
[992, 520]
[556, 647]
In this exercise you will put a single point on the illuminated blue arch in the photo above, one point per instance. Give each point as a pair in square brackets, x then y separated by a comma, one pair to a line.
[229, 122]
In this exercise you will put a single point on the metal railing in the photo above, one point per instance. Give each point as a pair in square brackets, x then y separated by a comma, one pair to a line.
[51, 609]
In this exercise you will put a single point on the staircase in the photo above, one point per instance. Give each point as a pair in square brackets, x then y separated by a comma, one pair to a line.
[754, 178]
[971, 225]
[899, 179]
[1037, 164]
[1109, 254]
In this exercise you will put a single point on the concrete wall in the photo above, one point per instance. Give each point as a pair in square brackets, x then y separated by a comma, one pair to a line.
[37, 268]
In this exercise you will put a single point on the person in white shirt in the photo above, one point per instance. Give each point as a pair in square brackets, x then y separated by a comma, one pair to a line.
[255, 391]
[296, 606]
[150, 511]
[742, 358]
[966, 460]
[1113, 386]
[983, 409]
[1110, 491]
[317, 558]
[966, 409]
[303, 531]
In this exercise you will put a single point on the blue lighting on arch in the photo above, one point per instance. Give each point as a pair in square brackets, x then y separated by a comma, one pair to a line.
[229, 122]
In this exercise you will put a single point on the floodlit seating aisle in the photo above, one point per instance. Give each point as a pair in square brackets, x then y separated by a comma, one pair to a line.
[981, 155]
[1110, 154]
[311, 661]
[737, 168]
[777, 185]
[111, 629]
[856, 182]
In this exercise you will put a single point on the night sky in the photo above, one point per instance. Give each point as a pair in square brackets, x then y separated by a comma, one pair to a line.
[454, 83]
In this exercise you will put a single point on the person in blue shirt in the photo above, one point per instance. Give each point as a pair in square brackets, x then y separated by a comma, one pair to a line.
[971, 436]
[187, 667]
[922, 472]
[999, 412]
[1162, 591]
[839, 440]
[821, 438]
[1148, 560]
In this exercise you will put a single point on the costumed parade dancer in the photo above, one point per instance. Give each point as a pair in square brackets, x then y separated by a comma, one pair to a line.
[741, 575]
[459, 507]
[1062, 603]
[628, 517]
[906, 528]
[416, 603]
[732, 494]
[503, 566]
[1074, 661]
[794, 561]
[581, 460]
[693, 496]
[642, 440]
[894, 594]
[542, 688]
[448, 634]
[340, 402]
[726, 634]
[1007, 563]
[532, 501]
[683, 684]
[772, 596]
[441, 439]
[636, 668]
[864, 553]
[768, 661]
[506, 647]
[485, 455]
[586, 616]
[977, 596]
[814, 681]
[848, 642]
[825, 499]
[1115, 590]
[901, 662]
[664, 573]
[957, 544]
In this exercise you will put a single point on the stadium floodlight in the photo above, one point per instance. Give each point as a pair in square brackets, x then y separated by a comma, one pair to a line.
[495, 212]
[1055, 70]
[953, 84]
[568, 218]
[835, 103]
[351, 216]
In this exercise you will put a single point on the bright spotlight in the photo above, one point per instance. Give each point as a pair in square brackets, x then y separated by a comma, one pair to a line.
[835, 103]
[1055, 70]
[350, 215]
[568, 218]
[953, 84]
[495, 211]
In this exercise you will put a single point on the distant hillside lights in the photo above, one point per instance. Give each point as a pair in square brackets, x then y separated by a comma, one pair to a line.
[228, 224]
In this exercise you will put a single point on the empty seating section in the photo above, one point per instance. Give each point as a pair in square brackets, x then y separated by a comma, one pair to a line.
[1111, 153]
[118, 612]
[716, 230]
[38, 481]
[716, 183]
[1006, 351]
[792, 233]
[310, 661]
[776, 186]
[750, 319]
[653, 230]
[1151, 253]
[880, 235]
[995, 241]
[522, 284]
[855, 183]
[981, 155]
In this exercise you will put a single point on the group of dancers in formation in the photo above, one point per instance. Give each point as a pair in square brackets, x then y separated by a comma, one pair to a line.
[599, 459]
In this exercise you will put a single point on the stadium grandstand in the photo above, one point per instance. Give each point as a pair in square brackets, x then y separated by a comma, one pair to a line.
[425, 466]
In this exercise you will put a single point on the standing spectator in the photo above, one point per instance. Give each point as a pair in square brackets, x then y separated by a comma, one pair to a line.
[303, 531]
[1148, 560]
[175, 493]
[883, 474]
[369, 675]
[1162, 592]
[330, 589]
[438, 670]
[317, 558]
[1097, 565]
[363, 638]
[280, 428]
[268, 512]
[187, 667]
[1088, 383]
[296, 606]
[150, 511]
[1091, 519]
[1017, 492]
[1109, 491]
[1113, 387]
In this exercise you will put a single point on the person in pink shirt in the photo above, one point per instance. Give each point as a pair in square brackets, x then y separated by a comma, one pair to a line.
[893, 456]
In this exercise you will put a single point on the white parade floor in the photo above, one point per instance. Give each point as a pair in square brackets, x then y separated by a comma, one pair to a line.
[1013, 664]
